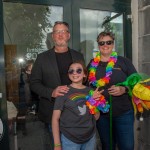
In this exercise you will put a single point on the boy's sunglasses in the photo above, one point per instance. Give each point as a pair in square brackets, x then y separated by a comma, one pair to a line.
[72, 71]
[105, 42]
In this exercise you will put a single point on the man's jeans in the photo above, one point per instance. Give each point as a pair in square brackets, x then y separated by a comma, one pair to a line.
[123, 131]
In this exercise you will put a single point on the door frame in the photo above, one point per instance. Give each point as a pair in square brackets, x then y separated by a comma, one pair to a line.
[3, 108]
[71, 15]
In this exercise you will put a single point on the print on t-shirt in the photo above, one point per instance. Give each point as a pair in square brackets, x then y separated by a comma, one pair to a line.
[79, 98]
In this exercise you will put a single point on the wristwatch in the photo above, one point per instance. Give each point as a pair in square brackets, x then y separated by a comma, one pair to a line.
[126, 89]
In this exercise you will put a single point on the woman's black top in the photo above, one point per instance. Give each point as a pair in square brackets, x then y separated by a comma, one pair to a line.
[122, 69]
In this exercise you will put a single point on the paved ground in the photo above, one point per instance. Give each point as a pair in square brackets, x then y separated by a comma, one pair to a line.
[35, 137]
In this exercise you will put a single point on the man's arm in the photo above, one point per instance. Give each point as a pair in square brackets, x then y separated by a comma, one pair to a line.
[36, 80]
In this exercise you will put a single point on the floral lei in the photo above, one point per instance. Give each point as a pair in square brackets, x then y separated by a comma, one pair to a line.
[101, 104]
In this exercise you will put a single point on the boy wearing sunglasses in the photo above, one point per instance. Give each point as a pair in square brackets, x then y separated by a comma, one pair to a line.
[72, 124]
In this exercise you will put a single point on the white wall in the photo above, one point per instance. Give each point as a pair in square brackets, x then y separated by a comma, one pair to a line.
[134, 19]
[134, 11]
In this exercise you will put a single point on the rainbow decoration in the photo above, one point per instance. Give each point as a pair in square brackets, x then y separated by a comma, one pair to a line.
[77, 96]
[96, 105]
[93, 67]
[101, 104]
[139, 91]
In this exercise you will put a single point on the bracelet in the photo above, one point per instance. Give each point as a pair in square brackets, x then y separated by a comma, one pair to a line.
[126, 89]
[57, 145]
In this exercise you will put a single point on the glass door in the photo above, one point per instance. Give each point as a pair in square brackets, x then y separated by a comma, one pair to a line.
[92, 22]
[27, 29]
[93, 17]
[27, 32]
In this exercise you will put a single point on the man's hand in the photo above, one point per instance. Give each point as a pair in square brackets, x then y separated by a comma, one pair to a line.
[60, 91]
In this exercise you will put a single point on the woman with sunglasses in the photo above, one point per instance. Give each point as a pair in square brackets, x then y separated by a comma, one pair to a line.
[105, 71]
[72, 124]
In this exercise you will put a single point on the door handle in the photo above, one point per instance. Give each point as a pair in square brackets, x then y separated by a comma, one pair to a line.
[1, 95]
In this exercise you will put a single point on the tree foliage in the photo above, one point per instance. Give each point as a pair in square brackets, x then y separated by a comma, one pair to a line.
[25, 24]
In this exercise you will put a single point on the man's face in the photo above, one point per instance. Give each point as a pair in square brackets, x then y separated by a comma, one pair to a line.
[61, 35]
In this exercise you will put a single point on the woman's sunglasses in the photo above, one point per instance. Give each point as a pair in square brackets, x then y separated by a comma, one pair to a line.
[105, 42]
[72, 71]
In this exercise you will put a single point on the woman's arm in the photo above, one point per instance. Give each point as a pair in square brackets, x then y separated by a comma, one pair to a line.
[56, 130]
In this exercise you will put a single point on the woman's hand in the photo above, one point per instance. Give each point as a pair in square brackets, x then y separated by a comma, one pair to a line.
[116, 90]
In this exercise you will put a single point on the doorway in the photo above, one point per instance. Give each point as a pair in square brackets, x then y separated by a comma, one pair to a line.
[27, 32]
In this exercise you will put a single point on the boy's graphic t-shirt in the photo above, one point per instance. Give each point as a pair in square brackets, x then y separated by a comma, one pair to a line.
[76, 122]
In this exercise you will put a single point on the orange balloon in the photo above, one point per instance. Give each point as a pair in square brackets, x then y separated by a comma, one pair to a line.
[140, 108]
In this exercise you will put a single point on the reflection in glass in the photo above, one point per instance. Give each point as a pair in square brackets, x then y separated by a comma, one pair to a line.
[27, 32]
[1, 129]
[29, 27]
[92, 22]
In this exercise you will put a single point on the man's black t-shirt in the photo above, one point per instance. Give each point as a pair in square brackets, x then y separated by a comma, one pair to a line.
[64, 60]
